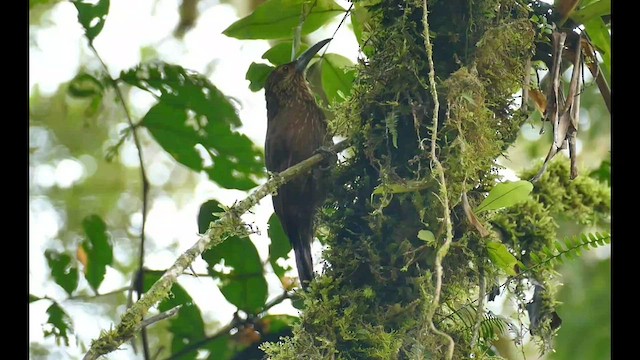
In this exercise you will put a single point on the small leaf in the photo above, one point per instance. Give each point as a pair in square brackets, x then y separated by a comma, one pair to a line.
[60, 322]
[505, 195]
[92, 16]
[427, 236]
[337, 77]
[276, 19]
[62, 272]
[85, 85]
[257, 75]
[280, 53]
[539, 100]
[98, 250]
[280, 245]
[33, 298]
[502, 258]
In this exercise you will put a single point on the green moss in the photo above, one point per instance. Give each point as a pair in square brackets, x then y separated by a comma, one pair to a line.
[584, 199]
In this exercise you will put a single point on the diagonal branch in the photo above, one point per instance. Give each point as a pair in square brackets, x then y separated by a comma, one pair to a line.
[227, 225]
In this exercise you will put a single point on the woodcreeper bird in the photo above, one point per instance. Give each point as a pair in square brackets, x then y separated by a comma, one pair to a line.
[296, 130]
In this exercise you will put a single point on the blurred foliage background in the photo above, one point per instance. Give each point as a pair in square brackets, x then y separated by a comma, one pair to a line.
[81, 165]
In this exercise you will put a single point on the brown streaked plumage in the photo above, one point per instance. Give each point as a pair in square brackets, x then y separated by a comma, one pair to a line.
[296, 129]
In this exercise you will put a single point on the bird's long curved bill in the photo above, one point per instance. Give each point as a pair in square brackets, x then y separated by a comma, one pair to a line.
[303, 60]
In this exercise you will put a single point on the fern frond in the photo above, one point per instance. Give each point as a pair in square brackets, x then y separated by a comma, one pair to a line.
[569, 248]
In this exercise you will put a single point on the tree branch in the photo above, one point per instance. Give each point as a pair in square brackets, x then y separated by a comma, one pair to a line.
[227, 225]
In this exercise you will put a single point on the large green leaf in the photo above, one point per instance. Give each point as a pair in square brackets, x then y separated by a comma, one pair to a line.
[337, 77]
[187, 327]
[589, 11]
[280, 53]
[97, 248]
[280, 245]
[60, 324]
[242, 279]
[62, 272]
[257, 75]
[191, 112]
[505, 195]
[92, 16]
[276, 19]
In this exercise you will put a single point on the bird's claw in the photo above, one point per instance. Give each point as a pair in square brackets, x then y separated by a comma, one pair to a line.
[330, 158]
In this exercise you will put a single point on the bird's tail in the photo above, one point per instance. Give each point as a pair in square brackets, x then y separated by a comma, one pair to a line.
[301, 242]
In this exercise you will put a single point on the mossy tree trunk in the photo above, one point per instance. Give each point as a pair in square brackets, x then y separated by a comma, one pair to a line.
[379, 284]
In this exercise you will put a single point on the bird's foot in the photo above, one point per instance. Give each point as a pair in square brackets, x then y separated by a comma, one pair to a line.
[330, 158]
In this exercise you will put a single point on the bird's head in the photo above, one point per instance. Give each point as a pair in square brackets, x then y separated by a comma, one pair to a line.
[287, 80]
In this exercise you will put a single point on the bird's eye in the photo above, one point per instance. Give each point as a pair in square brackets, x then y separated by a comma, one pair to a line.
[285, 68]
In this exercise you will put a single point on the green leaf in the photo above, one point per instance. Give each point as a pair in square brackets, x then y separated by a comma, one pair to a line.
[337, 77]
[62, 272]
[205, 215]
[220, 348]
[505, 195]
[98, 250]
[601, 39]
[92, 16]
[187, 327]
[359, 17]
[280, 53]
[85, 85]
[243, 284]
[427, 236]
[592, 10]
[502, 258]
[257, 75]
[276, 19]
[192, 113]
[33, 298]
[60, 324]
[280, 245]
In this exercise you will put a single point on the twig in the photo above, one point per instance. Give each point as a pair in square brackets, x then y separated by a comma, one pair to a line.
[442, 251]
[145, 188]
[337, 28]
[154, 319]
[92, 297]
[219, 230]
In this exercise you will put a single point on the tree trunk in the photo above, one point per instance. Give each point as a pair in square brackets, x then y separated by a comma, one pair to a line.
[377, 294]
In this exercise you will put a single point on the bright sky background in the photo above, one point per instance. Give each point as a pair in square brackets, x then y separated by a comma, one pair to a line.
[59, 49]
